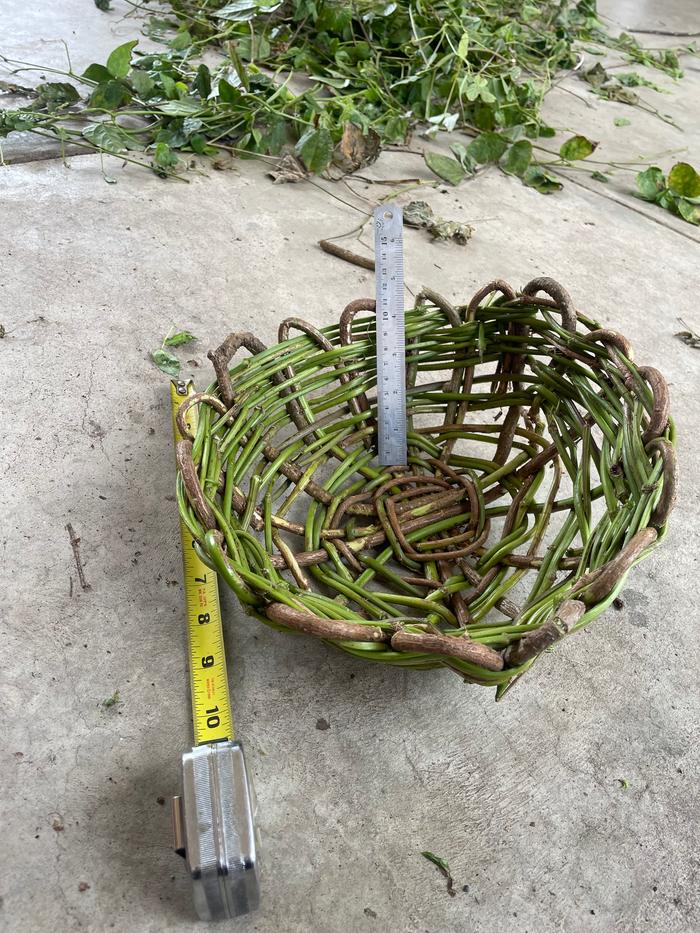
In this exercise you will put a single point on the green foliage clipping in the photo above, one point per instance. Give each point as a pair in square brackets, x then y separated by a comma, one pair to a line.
[164, 359]
[478, 66]
[679, 192]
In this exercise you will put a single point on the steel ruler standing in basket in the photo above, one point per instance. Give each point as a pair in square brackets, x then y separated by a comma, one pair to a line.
[214, 819]
[391, 340]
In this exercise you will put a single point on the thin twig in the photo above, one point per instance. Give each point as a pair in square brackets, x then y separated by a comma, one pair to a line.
[662, 32]
[364, 261]
[75, 544]
[395, 181]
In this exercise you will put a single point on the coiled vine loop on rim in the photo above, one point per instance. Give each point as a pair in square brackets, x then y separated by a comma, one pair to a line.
[541, 468]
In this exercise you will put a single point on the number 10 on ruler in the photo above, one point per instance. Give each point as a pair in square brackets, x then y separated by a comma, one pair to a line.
[391, 344]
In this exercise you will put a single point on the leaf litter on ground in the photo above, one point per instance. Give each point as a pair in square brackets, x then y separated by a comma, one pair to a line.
[678, 192]
[179, 339]
[688, 336]
[420, 214]
[111, 701]
[443, 867]
[166, 362]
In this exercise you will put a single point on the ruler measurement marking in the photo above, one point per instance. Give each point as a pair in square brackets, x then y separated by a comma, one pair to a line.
[211, 707]
[391, 344]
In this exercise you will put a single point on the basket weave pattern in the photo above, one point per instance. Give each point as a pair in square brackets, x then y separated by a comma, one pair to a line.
[541, 468]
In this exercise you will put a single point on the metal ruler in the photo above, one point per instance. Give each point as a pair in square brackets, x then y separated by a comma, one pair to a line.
[214, 819]
[391, 341]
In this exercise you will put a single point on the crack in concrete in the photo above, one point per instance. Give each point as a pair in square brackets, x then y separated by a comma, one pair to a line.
[28, 157]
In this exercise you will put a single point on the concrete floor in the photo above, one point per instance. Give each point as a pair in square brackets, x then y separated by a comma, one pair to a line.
[526, 799]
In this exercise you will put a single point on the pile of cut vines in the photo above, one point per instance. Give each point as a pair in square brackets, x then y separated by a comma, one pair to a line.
[336, 81]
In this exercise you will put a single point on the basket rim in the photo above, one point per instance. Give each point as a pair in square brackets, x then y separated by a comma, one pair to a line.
[641, 434]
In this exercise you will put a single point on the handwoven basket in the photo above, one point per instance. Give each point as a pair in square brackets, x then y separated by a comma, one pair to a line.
[541, 467]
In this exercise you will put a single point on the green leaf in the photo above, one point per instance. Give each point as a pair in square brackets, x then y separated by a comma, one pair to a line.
[182, 41]
[315, 148]
[202, 81]
[689, 212]
[108, 137]
[578, 147]
[463, 47]
[166, 362]
[464, 158]
[684, 180]
[240, 11]
[16, 121]
[119, 60]
[111, 701]
[105, 7]
[169, 86]
[178, 339]
[441, 863]
[536, 177]
[275, 138]
[180, 108]
[621, 121]
[157, 27]
[110, 96]
[396, 129]
[199, 145]
[142, 83]
[57, 94]
[164, 156]
[239, 67]
[473, 89]
[228, 94]
[651, 183]
[174, 135]
[191, 125]
[633, 79]
[488, 147]
[444, 167]
[443, 868]
[599, 176]
[518, 158]
[96, 73]
[253, 47]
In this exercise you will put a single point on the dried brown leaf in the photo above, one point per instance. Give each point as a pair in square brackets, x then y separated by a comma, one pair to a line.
[450, 230]
[289, 170]
[356, 149]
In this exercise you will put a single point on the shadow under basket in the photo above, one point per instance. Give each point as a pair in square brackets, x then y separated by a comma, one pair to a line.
[540, 468]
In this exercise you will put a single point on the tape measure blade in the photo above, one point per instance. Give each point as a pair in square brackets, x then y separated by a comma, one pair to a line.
[211, 704]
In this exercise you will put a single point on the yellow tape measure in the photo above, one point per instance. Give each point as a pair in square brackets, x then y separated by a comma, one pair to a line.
[211, 704]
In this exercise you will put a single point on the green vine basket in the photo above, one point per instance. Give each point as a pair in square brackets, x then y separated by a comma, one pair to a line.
[540, 468]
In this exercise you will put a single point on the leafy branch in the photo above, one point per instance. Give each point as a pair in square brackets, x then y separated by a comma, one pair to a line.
[375, 71]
